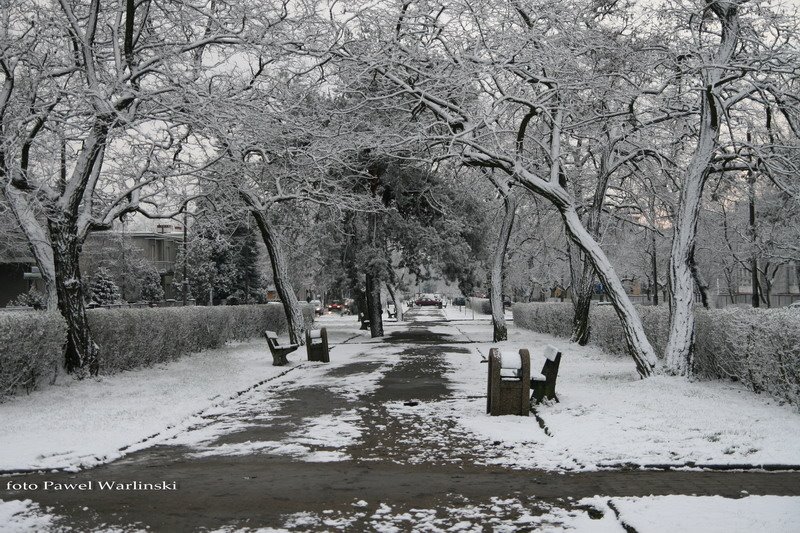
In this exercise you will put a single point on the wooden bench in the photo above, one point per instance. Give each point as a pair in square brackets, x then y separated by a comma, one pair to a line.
[317, 345]
[544, 385]
[364, 319]
[509, 383]
[279, 351]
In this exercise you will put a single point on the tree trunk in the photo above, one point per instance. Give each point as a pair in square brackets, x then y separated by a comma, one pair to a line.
[681, 286]
[655, 269]
[398, 303]
[374, 310]
[681, 303]
[280, 275]
[39, 242]
[701, 284]
[496, 293]
[640, 349]
[81, 353]
[751, 182]
[582, 289]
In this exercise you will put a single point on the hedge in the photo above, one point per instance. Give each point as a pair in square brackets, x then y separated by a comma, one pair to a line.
[759, 347]
[480, 305]
[31, 342]
[30, 349]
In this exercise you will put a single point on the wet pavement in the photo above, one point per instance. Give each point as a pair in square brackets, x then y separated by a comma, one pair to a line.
[330, 454]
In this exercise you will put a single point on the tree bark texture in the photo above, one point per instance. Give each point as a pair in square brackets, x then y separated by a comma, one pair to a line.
[374, 309]
[500, 330]
[38, 241]
[654, 265]
[280, 275]
[56, 246]
[81, 352]
[682, 297]
[701, 284]
[583, 277]
[751, 182]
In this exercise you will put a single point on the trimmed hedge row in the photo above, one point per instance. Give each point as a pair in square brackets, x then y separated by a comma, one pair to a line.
[480, 305]
[31, 342]
[30, 349]
[759, 347]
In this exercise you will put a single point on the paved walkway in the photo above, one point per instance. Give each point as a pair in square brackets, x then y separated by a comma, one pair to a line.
[409, 467]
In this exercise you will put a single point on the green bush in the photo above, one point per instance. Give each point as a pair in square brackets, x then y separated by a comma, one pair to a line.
[759, 347]
[30, 349]
[31, 343]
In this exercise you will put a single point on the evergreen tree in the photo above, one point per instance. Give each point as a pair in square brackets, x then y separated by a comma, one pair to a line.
[151, 290]
[103, 290]
[222, 258]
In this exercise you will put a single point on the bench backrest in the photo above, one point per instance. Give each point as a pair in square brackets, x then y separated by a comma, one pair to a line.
[272, 339]
[550, 352]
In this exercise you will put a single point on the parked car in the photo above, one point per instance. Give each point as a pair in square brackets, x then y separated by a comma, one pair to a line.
[319, 309]
[427, 301]
[459, 300]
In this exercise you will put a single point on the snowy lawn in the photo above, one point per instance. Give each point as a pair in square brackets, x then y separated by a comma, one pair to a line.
[709, 514]
[76, 424]
[607, 415]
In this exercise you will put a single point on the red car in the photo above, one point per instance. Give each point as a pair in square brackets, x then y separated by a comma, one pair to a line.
[428, 301]
[335, 306]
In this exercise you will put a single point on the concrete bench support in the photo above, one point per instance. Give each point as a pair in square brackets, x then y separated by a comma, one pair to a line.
[317, 345]
[509, 383]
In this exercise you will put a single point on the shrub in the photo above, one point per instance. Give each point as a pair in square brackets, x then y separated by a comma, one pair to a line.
[151, 291]
[129, 338]
[480, 305]
[33, 298]
[30, 349]
[31, 342]
[759, 347]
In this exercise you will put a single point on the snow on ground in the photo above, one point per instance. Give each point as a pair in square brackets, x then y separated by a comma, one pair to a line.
[317, 438]
[18, 516]
[709, 514]
[607, 415]
[98, 420]
[650, 514]
[497, 514]
[463, 313]
[94, 418]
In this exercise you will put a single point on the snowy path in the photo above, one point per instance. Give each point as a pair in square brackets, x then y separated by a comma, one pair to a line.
[391, 436]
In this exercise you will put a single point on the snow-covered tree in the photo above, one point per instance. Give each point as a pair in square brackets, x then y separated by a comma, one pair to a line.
[76, 76]
[102, 289]
[499, 89]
